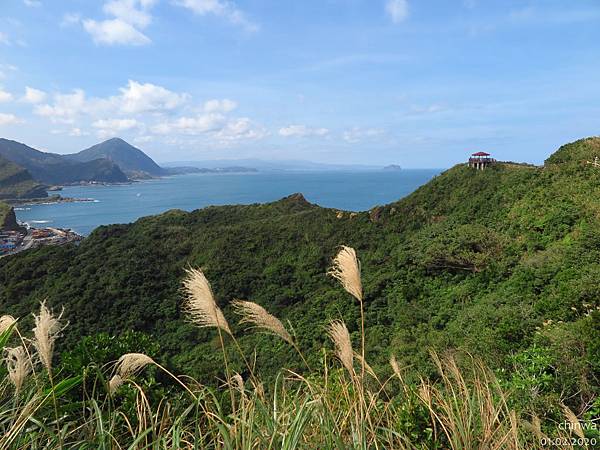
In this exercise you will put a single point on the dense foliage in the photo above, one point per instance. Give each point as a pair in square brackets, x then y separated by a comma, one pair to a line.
[135, 402]
[500, 263]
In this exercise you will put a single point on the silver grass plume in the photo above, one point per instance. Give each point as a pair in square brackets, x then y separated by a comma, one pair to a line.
[338, 332]
[18, 366]
[259, 317]
[238, 382]
[6, 322]
[574, 422]
[47, 328]
[115, 382]
[200, 304]
[131, 363]
[396, 367]
[346, 269]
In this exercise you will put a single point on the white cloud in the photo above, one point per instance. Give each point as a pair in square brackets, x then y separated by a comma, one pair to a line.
[143, 139]
[215, 127]
[112, 127]
[5, 96]
[134, 12]
[4, 38]
[200, 124]
[129, 17]
[430, 109]
[302, 131]
[9, 119]
[147, 110]
[356, 135]
[397, 10]
[33, 95]
[5, 69]
[240, 129]
[32, 3]
[77, 132]
[114, 32]
[65, 108]
[135, 98]
[220, 8]
[116, 124]
[147, 97]
[220, 106]
[70, 19]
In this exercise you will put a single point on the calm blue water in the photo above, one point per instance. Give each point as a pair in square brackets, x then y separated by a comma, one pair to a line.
[354, 191]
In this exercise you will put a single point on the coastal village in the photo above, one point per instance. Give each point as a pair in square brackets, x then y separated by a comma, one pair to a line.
[16, 237]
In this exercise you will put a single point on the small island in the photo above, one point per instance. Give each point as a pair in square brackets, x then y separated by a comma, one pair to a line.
[392, 168]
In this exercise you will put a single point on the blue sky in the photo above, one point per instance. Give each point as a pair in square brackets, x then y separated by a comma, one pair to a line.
[420, 83]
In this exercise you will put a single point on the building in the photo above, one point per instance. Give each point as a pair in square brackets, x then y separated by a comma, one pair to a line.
[481, 160]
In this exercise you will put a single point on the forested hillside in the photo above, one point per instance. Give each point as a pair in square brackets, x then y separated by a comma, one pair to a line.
[16, 182]
[502, 263]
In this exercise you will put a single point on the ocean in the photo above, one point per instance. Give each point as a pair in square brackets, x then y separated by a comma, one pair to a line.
[352, 191]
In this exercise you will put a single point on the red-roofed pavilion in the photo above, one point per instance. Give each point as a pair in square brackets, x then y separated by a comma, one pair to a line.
[480, 160]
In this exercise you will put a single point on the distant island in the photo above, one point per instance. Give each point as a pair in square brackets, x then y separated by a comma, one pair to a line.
[392, 167]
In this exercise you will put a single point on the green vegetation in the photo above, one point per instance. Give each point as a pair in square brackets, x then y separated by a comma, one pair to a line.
[500, 264]
[4, 213]
[51, 168]
[135, 402]
[16, 182]
[8, 220]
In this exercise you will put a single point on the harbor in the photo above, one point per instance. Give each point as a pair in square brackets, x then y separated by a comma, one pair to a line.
[24, 238]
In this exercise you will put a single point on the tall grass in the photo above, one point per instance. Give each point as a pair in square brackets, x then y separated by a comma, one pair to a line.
[330, 407]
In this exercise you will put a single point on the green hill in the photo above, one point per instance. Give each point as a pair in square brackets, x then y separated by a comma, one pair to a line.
[502, 263]
[134, 162]
[16, 182]
[51, 168]
[8, 219]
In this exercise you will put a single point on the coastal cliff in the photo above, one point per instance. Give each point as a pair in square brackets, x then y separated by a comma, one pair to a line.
[8, 219]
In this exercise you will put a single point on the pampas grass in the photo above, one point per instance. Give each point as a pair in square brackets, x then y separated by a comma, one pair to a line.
[573, 421]
[130, 364]
[47, 328]
[200, 304]
[258, 316]
[346, 269]
[338, 332]
[6, 322]
[18, 365]
[115, 383]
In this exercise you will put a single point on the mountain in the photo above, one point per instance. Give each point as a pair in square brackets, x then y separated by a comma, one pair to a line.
[16, 182]
[501, 263]
[52, 168]
[134, 162]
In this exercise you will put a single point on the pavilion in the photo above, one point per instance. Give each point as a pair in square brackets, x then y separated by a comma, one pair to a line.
[481, 160]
